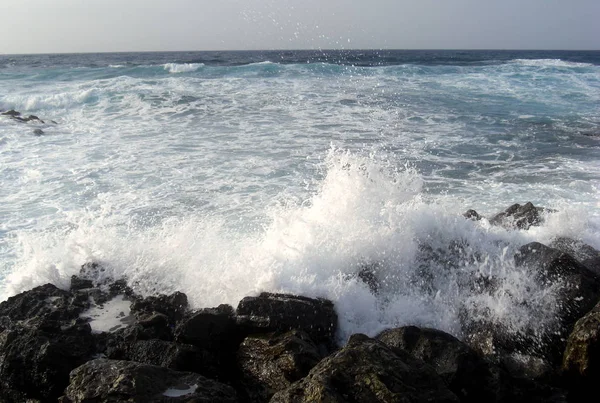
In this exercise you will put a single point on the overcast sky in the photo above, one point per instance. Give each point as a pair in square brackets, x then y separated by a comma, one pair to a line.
[56, 26]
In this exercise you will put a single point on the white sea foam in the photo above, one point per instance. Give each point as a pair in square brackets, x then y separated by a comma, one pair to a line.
[183, 390]
[182, 67]
[362, 212]
[110, 316]
[550, 63]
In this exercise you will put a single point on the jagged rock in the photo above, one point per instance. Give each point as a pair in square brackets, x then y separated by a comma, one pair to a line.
[175, 356]
[211, 328]
[104, 380]
[577, 289]
[472, 215]
[366, 370]
[78, 283]
[517, 216]
[586, 254]
[12, 113]
[468, 375]
[281, 312]
[173, 306]
[581, 362]
[272, 362]
[46, 302]
[36, 361]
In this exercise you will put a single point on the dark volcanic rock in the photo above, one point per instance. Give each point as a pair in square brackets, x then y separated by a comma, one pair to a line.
[175, 356]
[464, 371]
[173, 306]
[281, 312]
[472, 215]
[581, 362]
[579, 288]
[366, 370]
[586, 254]
[12, 113]
[517, 216]
[37, 362]
[468, 375]
[46, 302]
[270, 363]
[104, 380]
[212, 328]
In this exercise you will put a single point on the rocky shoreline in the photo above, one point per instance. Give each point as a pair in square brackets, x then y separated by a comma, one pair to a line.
[104, 343]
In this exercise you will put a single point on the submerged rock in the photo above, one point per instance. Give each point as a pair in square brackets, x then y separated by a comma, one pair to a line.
[104, 380]
[366, 370]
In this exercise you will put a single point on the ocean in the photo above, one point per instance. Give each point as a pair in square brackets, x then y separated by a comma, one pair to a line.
[224, 174]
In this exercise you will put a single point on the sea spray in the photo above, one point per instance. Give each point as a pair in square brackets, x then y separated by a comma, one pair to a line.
[364, 212]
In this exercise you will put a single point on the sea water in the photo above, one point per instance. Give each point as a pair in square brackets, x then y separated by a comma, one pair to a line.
[224, 174]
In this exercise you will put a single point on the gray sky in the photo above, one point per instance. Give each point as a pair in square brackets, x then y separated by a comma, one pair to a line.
[53, 26]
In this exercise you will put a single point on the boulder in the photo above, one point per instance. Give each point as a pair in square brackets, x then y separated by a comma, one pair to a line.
[282, 312]
[472, 215]
[366, 370]
[36, 361]
[175, 356]
[272, 362]
[464, 371]
[471, 377]
[46, 302]
[38, 132]
[577, 291]
[103, 380]
[581, 361]
[519, 217]
[172, 306]
[584, 253]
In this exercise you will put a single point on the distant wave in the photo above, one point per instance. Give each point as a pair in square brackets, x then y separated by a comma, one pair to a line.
[182, 67]
[549, 63]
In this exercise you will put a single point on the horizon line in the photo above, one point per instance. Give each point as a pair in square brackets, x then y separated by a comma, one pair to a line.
[305, 50]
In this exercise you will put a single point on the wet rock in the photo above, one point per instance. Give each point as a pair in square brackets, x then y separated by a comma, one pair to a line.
[38, 132]
[210, 328]
[464, 371]
[581, 362]
[272, 362]
[46, 302]
[104, 380]
[584, 253]
[578, 288]
[12, 113]
[366, 370]
[78, 283]
[281, 312]
[472, 215]
[471, 377]
[172, 306]
[36, 361]
[519, 216]
[175, 356]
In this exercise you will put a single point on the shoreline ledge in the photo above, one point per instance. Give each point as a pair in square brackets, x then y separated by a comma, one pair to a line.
[104, 343]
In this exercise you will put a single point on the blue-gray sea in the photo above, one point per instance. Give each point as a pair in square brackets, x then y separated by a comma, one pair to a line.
[224, 174]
